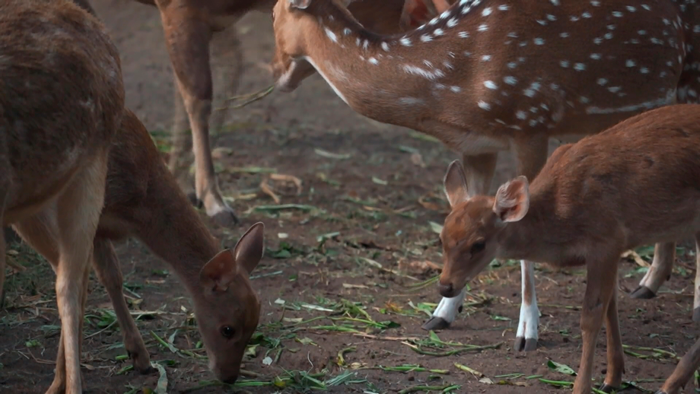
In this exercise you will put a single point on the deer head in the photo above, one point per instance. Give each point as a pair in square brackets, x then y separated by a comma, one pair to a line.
[228, 310]
[470, 236]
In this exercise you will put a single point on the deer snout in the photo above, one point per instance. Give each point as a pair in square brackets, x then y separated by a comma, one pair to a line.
[446, 290]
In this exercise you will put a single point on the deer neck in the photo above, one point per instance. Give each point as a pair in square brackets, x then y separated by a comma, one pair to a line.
[543, 235]
[389, 78]
[175, 232]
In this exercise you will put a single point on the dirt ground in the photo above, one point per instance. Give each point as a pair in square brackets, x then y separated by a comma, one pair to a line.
[344, 270]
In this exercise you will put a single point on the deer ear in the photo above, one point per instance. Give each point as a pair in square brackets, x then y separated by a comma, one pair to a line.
[512, 200]
[300, 4]
[219, 271]
[441, 5]
[416, 12]
[455, 184]
[250, 248]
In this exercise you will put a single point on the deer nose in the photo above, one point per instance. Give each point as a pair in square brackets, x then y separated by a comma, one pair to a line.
[446, 290]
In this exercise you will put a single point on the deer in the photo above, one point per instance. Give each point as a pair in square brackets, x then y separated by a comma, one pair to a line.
[144, 201]
[189, 26]
[61, 100]
[485, 77]
[635, 183]
[67, 139]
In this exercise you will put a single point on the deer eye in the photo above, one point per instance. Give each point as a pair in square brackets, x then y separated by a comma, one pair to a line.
[478, 247]
[228, 332]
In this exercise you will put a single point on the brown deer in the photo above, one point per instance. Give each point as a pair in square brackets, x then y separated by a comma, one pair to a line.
[61, 103]
[189, 26]
[144, 201]
[633, 184]
[72, 115]
[486, 76]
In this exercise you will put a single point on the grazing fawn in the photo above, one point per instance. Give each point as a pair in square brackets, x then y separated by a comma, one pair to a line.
[633, 184]
[490, 76]
[144, 201]
[189, 26]
[61, 103]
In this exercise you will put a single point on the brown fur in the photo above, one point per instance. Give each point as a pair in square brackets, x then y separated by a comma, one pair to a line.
[61, 100]
[189, 26]
[144, 201]
[634, 184]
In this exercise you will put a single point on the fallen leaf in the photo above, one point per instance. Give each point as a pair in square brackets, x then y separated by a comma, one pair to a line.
[417, 159]
[287, 179]
[636, 257]
[221, 152]
[329, 155]
[352, 286]
[268, 190]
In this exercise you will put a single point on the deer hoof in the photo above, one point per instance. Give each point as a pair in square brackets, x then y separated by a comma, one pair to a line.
[643, 293]
[192, 196]
[608, 389]
[696, 314]
[141, 364]
[525, 344]
[435, 323]
[226, 218]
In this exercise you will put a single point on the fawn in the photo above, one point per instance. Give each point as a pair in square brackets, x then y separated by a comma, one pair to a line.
[635, 183]
[189, 26]
[488, 76]
[121, 184]
[144, 201]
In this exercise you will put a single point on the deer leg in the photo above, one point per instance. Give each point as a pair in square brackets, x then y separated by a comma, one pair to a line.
[106, 266]
[684, 371]
[41, 233]
[691, 360]
[58, 385]
[188, 40]
[527, 335]
[227, 66]
[479, 171]
[77, 231]
[616, 359]
[601, 280]
[530, 154]
[658, 273]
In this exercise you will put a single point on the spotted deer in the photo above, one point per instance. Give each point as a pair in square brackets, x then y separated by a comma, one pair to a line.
[189, 26]
[61, 104]
[633, 184]
[495, 75]
[61, 101]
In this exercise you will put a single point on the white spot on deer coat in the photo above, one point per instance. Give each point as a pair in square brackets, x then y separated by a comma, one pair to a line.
[331, 35]
[490, 85]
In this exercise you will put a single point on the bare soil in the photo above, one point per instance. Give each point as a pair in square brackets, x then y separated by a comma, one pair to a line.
[369, 203]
